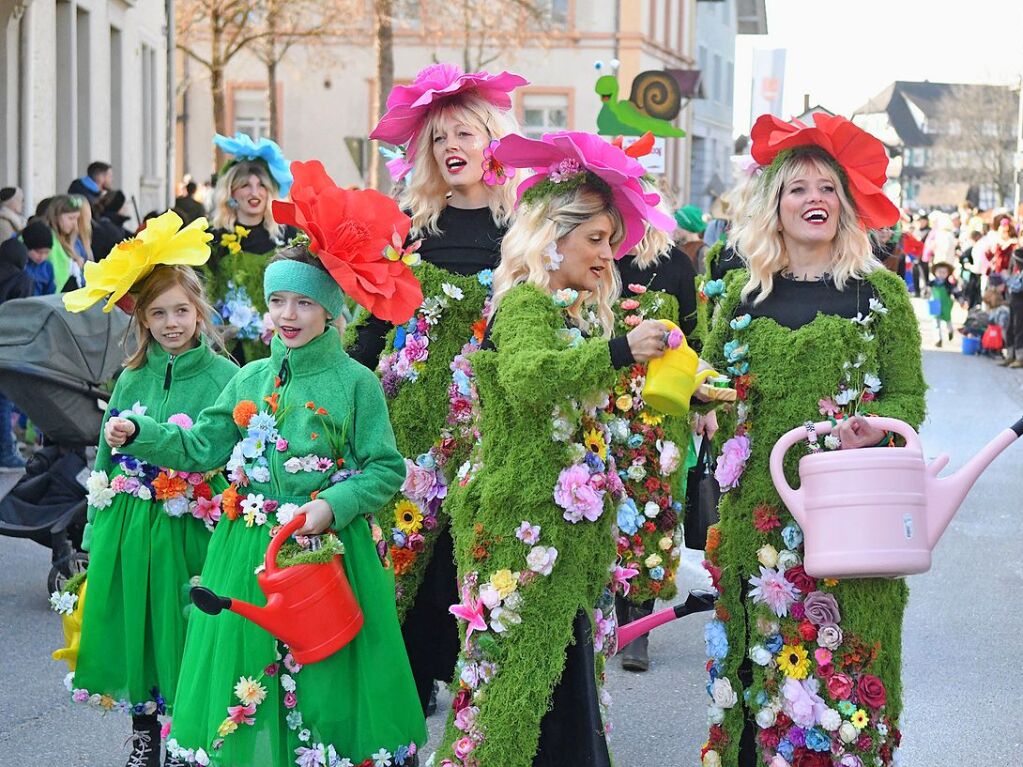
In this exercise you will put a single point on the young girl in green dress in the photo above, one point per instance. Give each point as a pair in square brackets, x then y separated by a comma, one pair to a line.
[303, 432]
[149, 527]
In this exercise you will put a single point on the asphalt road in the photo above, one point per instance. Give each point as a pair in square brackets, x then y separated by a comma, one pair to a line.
[962, 631]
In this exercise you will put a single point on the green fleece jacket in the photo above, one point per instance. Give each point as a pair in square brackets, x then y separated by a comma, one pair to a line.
[162, 387]
[325, 405]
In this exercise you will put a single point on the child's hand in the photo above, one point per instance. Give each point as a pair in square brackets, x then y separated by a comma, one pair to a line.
[118, 431]
[857, 432]
[318, 518]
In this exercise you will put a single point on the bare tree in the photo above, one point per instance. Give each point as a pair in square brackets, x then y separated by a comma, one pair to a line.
[974, 129]
[383, 46]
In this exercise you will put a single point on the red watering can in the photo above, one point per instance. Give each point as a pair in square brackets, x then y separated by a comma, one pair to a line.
[309, 607]
[875, 512]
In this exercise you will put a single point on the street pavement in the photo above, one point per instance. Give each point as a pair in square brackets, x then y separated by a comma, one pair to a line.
[962, 629]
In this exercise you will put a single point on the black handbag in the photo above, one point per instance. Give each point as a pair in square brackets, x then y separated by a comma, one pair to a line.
[702, 496]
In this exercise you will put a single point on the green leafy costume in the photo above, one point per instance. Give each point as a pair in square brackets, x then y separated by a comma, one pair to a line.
[533, 526]
[432, 428]
[812, 667]
[147, 533]
[308, 422]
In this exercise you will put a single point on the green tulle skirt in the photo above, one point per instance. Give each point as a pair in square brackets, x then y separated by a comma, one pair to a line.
[133, 625]
[359, 703]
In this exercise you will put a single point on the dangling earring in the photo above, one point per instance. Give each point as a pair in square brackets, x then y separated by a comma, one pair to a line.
[552, 257]
[232, 203]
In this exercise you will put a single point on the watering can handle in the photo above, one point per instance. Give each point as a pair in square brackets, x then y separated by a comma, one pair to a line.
[270, 562]
[702, 375]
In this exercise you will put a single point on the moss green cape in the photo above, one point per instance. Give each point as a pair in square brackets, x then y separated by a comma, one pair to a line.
[790, 372]
[532, 372]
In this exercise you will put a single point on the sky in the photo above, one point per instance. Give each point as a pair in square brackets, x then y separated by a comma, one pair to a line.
[843, 52]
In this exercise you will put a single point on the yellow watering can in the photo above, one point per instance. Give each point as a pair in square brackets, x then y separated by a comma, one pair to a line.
[672, 378]
[72, 625]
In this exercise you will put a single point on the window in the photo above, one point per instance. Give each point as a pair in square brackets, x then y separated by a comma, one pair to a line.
[716, 78]
[407, 13]
[730, 82]
[251, 113]
[116, 100]
[701, 59]
[556, 11]
[150, 93]
[543, 113]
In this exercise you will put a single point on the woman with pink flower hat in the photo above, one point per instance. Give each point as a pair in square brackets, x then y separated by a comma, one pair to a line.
[460, 201]
[531, 512]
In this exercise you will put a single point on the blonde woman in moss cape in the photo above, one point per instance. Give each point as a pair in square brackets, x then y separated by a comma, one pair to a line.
[805, 671]
[532, 512]
[460, 204]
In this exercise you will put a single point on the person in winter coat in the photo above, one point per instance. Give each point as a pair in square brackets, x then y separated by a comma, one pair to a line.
[14, 283]
[12, 220]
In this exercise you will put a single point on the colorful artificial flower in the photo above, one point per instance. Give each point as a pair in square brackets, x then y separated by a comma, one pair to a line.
[772, 589]
[242, 147]
[249, 691]
[793, 661]
[408, 517]
[494, 173]
[732, 462]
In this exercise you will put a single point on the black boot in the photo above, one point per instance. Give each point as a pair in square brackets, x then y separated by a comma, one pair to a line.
[634, 656]
[145, 741]
[431, 705]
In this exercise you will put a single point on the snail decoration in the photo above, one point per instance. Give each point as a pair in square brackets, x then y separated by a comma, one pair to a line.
[654, 101]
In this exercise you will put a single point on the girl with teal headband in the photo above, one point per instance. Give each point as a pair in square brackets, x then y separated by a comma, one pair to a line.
[303, 432]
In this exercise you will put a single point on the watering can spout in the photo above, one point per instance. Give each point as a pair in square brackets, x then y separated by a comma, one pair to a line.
[269, 617]
[947, 494]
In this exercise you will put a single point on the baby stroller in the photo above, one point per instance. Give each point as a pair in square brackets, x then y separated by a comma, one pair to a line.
[53, 365]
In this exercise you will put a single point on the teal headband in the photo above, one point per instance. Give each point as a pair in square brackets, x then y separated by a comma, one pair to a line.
[306, 279]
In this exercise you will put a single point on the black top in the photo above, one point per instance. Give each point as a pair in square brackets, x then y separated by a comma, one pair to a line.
[727, 260]
[469, 242]
[795, 303]
[674, 274]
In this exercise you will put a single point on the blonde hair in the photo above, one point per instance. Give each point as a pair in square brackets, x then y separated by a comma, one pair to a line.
[235, 177]
[656, 243]
[547, 221]
[757, 239]
[424, 197]
[73, 203]
[150, 288]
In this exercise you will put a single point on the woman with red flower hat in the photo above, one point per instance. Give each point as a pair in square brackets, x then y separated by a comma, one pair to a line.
[460, 200]
[305, 432]
[805, 671]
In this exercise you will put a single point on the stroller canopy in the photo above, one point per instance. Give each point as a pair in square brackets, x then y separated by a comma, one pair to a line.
[41, 332]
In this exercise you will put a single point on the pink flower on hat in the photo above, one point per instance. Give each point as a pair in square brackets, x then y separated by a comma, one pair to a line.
[555, 152]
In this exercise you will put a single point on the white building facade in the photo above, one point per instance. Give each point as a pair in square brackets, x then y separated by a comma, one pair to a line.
[325, 94]
[84, 80]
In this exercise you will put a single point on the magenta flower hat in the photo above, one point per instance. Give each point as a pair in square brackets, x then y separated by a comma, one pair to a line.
[567, 159]
[408, 105]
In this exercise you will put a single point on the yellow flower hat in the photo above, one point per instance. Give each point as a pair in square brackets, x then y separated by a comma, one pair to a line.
[162, 243]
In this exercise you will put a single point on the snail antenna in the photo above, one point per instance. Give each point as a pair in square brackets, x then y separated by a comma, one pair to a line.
[615, 63]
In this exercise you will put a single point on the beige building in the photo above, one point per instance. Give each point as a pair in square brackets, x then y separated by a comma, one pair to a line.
[84, 80]
[325, 95]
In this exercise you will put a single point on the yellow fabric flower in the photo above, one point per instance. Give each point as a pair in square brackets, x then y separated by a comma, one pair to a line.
[106, 702]
[665, 543]
[794, 661]
[408, 517]
[624, 403]
[860, 719]
[227, 727]
[652, 561]
[595, 443]
[650, 419]
[241, 232]
[505, 581]
[162, 242]
[249, 691]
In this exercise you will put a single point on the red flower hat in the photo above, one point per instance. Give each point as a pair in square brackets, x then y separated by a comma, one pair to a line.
[350, 231]
[860, 155]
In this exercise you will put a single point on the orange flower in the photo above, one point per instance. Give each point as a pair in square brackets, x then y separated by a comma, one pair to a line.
[314, 435]
[277, 382]
[314, 494]
[169, 487]
[713, 540]
[229, 502]
[273, 401]
[320, 411]
[721, 612]
[403, 559]
[479, 329]
[243, 412]
[340, 462]
[311, 405]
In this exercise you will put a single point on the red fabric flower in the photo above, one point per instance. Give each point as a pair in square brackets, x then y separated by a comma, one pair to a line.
[797, 577]
[871, 691]
[807, 631]
[804, 757]
[860, 155]
[349, 232]
[840, 686]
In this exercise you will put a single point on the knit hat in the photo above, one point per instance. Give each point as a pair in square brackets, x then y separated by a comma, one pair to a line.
[37, 236]
[307, 280]
[13, 252]
[690, 218]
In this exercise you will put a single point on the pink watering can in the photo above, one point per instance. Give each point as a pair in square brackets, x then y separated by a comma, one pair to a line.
[875, 512]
